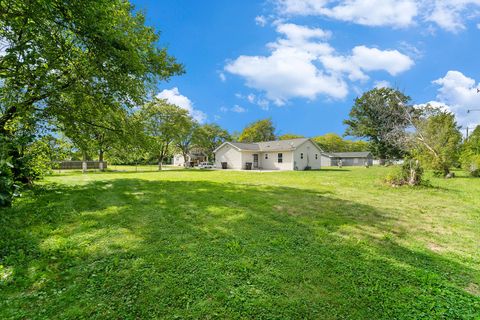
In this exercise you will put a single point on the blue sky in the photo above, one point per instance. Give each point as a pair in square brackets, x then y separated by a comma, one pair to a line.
[303, 62]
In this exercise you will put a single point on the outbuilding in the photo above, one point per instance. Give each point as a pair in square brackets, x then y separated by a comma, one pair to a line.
[349, 158]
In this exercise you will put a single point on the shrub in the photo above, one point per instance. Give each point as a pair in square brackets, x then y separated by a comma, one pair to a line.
[471, 164]
[410, 173]
[6, 183]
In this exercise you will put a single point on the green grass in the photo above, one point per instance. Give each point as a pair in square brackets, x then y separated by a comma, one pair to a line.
[330, 244]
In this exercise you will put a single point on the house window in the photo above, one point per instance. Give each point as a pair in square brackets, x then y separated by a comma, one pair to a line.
[301, 155]
[316, 156]
[266, 156]
[280, 157]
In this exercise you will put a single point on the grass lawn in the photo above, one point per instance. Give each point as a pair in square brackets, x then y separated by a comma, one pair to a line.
[329, 244]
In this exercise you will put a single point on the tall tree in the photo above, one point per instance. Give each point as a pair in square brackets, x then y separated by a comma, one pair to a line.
[357, 146]
[378, 115]
[89, 47]
[331, 142]
[97, 128]
[162, 123]
[437, 139]
[261, 130]
[186, 136]
[209, 136]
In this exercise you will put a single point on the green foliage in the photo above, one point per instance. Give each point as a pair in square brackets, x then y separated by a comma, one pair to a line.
[99, 47]
[261, 130]
[59, 53]
[38, 157]
[378, 115]
[163, 124]
[7, 183]
[409, 173]
[332, 142]
[470, 154]
[209, 136]
[288, 136]
[470, 162]
[437, 140]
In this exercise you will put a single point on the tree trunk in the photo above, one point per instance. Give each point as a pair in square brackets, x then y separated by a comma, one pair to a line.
[100, 160]
[160, 160]
[84, 162]
[185, 163]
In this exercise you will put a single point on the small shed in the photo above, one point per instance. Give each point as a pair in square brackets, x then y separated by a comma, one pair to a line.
[352, 158]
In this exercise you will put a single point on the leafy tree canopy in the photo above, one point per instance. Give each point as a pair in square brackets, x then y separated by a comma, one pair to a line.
[261, 130]
[93, 47]
[163, 124]
[437, 139]
[60, 51]
[378, 115]
[332, 142]
[209, 136]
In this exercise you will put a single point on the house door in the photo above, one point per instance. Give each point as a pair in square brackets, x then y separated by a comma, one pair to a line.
[255, 161]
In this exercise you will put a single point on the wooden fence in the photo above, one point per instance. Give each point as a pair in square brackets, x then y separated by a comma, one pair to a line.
[68, 165]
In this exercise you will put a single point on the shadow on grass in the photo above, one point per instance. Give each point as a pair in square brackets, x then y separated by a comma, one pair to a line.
[131, 248]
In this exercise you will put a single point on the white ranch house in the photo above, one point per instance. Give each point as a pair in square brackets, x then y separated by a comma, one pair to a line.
[293, 154]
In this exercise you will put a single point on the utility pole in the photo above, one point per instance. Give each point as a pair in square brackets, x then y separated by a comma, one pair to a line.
[467, 128]
[472, 110]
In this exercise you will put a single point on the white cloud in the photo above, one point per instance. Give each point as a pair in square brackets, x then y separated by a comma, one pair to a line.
[173, 96]
[373, 59]
[261, 21]
[382, 84]
[238, 109]
[478, 25]
[411, 50]
[298, 34]
[396, 13]
[302, 64]
[222, 76]
[450, 15]
[4, 45]
[459, 93]
[263, 104]
[223, 109]
[285, 74]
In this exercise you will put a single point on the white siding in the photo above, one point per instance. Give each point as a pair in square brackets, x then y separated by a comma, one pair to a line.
[326, 161]
[230, 155]
[178, 160]
[309, 151]
[272, 162]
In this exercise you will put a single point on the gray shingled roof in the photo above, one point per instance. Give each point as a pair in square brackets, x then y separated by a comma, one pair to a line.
[363, 154]
[280, 145]
[246, 146]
